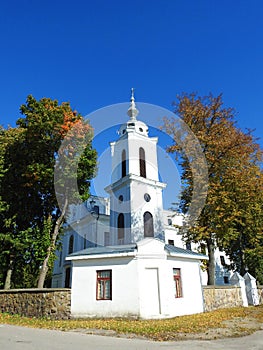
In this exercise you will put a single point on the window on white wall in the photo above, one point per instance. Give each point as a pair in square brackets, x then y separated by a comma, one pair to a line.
[226, 279]
[148, 224]
[67, 277]
[71, 244]
[142, 162]
[104, 285]
[121, 226]
[123, 163]
[188, 246]
[222, 260]
[178, 283]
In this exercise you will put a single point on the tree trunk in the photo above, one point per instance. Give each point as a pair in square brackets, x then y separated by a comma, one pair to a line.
[211, 262]
[9, 274]
[242, 255]
[51, 248]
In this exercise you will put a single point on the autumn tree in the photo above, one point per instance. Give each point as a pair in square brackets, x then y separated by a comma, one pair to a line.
[29, 182]
[245, 202]
[232, 161]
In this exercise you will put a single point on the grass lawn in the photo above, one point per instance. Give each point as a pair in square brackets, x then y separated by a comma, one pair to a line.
[168, 329]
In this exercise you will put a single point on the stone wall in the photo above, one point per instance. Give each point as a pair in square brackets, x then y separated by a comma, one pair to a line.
[55, 303]
[51, 303]
[216, 297]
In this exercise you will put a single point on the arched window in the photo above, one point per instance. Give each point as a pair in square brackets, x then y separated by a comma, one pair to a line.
[142, 162]
[123, 163]
[67, 277]
[71, 244]
[148, 224]
[121, 227]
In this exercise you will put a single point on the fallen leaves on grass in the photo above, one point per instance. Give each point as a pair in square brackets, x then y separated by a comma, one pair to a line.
[166, 329]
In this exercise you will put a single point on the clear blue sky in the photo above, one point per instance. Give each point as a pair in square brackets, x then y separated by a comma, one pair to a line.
[91, 53]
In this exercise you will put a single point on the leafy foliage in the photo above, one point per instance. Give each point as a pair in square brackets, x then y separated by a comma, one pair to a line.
[31, 219]
[232, 215]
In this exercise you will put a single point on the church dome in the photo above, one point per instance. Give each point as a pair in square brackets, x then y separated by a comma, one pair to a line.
[133, 125]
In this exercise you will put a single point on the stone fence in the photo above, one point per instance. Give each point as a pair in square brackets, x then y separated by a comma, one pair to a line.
[55, 303]
[49, 302]
[216, 297]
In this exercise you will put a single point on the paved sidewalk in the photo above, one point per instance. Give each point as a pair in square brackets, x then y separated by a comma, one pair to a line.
[22, 338]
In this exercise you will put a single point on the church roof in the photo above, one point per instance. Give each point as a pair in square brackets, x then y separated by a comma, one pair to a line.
[106, 250]
[186, 252]
[131, 249]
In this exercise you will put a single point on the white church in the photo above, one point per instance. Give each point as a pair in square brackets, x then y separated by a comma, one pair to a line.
[122, 256]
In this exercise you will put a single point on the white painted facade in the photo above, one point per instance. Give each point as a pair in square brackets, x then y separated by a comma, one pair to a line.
[86, 229]
[172, 222]
[143, 285]
[135, 187]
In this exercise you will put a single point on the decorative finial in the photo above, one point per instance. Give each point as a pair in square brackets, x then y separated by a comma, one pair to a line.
[132, 94]
[132, 111]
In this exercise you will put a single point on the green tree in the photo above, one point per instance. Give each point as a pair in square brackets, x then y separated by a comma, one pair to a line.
[28, 183]
[2, 204]
[12, 241]
[231, 155]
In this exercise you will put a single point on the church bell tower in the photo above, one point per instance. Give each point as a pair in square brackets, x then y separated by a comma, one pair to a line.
[135, 192]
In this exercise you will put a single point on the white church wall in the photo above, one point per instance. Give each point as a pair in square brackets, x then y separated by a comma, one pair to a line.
[86, 232]
[172, 237]
[139, 206]
[171, 220]
[156, 272]
[157, 288]
[157, 285]
[149, 145]
[78, 212]
[192, 296]
[142, 286]
[125, 298]
[222, 262]
[116, 158]
[120, 206]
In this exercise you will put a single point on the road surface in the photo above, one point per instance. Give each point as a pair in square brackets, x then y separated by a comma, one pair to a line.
[22, 338]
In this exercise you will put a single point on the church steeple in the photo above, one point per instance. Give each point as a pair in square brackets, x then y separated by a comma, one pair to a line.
[132, 111]
[135, 190]
[133, 125]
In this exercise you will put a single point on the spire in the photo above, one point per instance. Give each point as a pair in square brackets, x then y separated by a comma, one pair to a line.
[132, 111]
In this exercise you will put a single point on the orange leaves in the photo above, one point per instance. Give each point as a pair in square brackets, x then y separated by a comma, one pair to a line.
[234, 203]
[77, 135]
[74, 130]
[68, 122]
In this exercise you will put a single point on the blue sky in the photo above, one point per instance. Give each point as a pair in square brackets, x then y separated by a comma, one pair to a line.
[91, 53]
